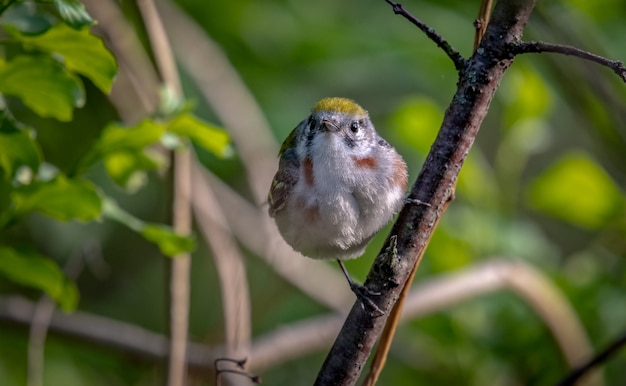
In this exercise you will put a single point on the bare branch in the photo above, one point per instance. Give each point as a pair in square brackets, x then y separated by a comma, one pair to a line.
[453, 54]
[540, 47]
[477, 84]
[598, 359]
[481, 22]
[44, 309]
[135, 90]
[181, 206]
[230, 266]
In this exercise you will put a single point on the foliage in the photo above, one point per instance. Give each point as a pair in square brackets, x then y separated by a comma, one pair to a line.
[56, 54]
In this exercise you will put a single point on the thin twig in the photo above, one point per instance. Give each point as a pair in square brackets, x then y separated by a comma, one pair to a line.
[135, 90]
[484, 14]
[453, 54]
[180, 270]
[230, 266]
[599, 358]
[163, 56]
[181, 206]
[44, 309]
[240, 371]
[384, 343]
[540, 47]
[42, 314]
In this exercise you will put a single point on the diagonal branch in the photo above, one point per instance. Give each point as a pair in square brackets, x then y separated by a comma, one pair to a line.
[481, 22]
[478, 81]
[604, 355]
[540, 47]
[455, 56]
[230, 266]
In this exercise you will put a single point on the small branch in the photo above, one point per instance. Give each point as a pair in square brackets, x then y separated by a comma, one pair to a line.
[540, 47]
[599, 358]
[44, 309]
[43, 312]
[181, 205]
[230, 266]
[484, 14]
[135, 90]
[479, 78]
[386, 338]
[453, 54]
[239, 371]
[180, 269]
[161, 49]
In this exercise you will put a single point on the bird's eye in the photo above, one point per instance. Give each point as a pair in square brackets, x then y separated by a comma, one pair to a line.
[354, 127]
[311, 122]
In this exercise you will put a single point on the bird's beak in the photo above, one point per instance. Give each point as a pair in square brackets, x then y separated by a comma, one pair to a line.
[328, 125]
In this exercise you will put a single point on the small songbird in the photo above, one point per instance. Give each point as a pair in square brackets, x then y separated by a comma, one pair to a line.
[338, 183]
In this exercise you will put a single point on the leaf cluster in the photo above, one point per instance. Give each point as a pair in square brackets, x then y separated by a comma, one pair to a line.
[51, 53]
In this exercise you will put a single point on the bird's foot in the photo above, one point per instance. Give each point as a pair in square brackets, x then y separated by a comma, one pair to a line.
[365, 295]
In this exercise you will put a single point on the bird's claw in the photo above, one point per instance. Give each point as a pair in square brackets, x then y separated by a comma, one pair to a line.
[365, 295]
[415, 201]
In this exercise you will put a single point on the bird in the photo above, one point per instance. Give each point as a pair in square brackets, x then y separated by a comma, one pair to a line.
[338, 183]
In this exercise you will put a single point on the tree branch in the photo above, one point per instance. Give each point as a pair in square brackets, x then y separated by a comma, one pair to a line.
[481, 22]
[599, 358]
[230, 266]
[181, 205]
[477, 84]
[453, 54]
[540, 47]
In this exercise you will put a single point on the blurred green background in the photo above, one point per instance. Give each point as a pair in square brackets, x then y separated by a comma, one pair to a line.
[544, 184]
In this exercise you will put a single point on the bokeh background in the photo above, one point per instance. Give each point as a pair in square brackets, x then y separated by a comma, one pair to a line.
[544, 184]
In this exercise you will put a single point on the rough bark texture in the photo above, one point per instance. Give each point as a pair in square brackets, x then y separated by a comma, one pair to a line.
[478, 81]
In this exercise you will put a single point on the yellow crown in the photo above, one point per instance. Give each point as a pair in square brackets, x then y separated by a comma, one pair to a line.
[339, 105]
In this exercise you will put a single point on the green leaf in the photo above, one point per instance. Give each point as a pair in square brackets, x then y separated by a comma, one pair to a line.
[476, 181]
[19, 149]
[120, 139]
[416, 122]
[203, 134]
[43, 85]
[170, 103]
[127, 169]
[73, 13]
[5, 198]
[526, 96]
[26, 19]
[575, 189]
[169, 242]
[61, 198]
[82, 52]
[31, 269]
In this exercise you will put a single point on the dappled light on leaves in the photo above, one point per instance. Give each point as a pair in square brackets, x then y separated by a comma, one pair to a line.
[577, 190]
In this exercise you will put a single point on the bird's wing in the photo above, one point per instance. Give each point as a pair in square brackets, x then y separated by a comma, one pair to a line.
[284, 181]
